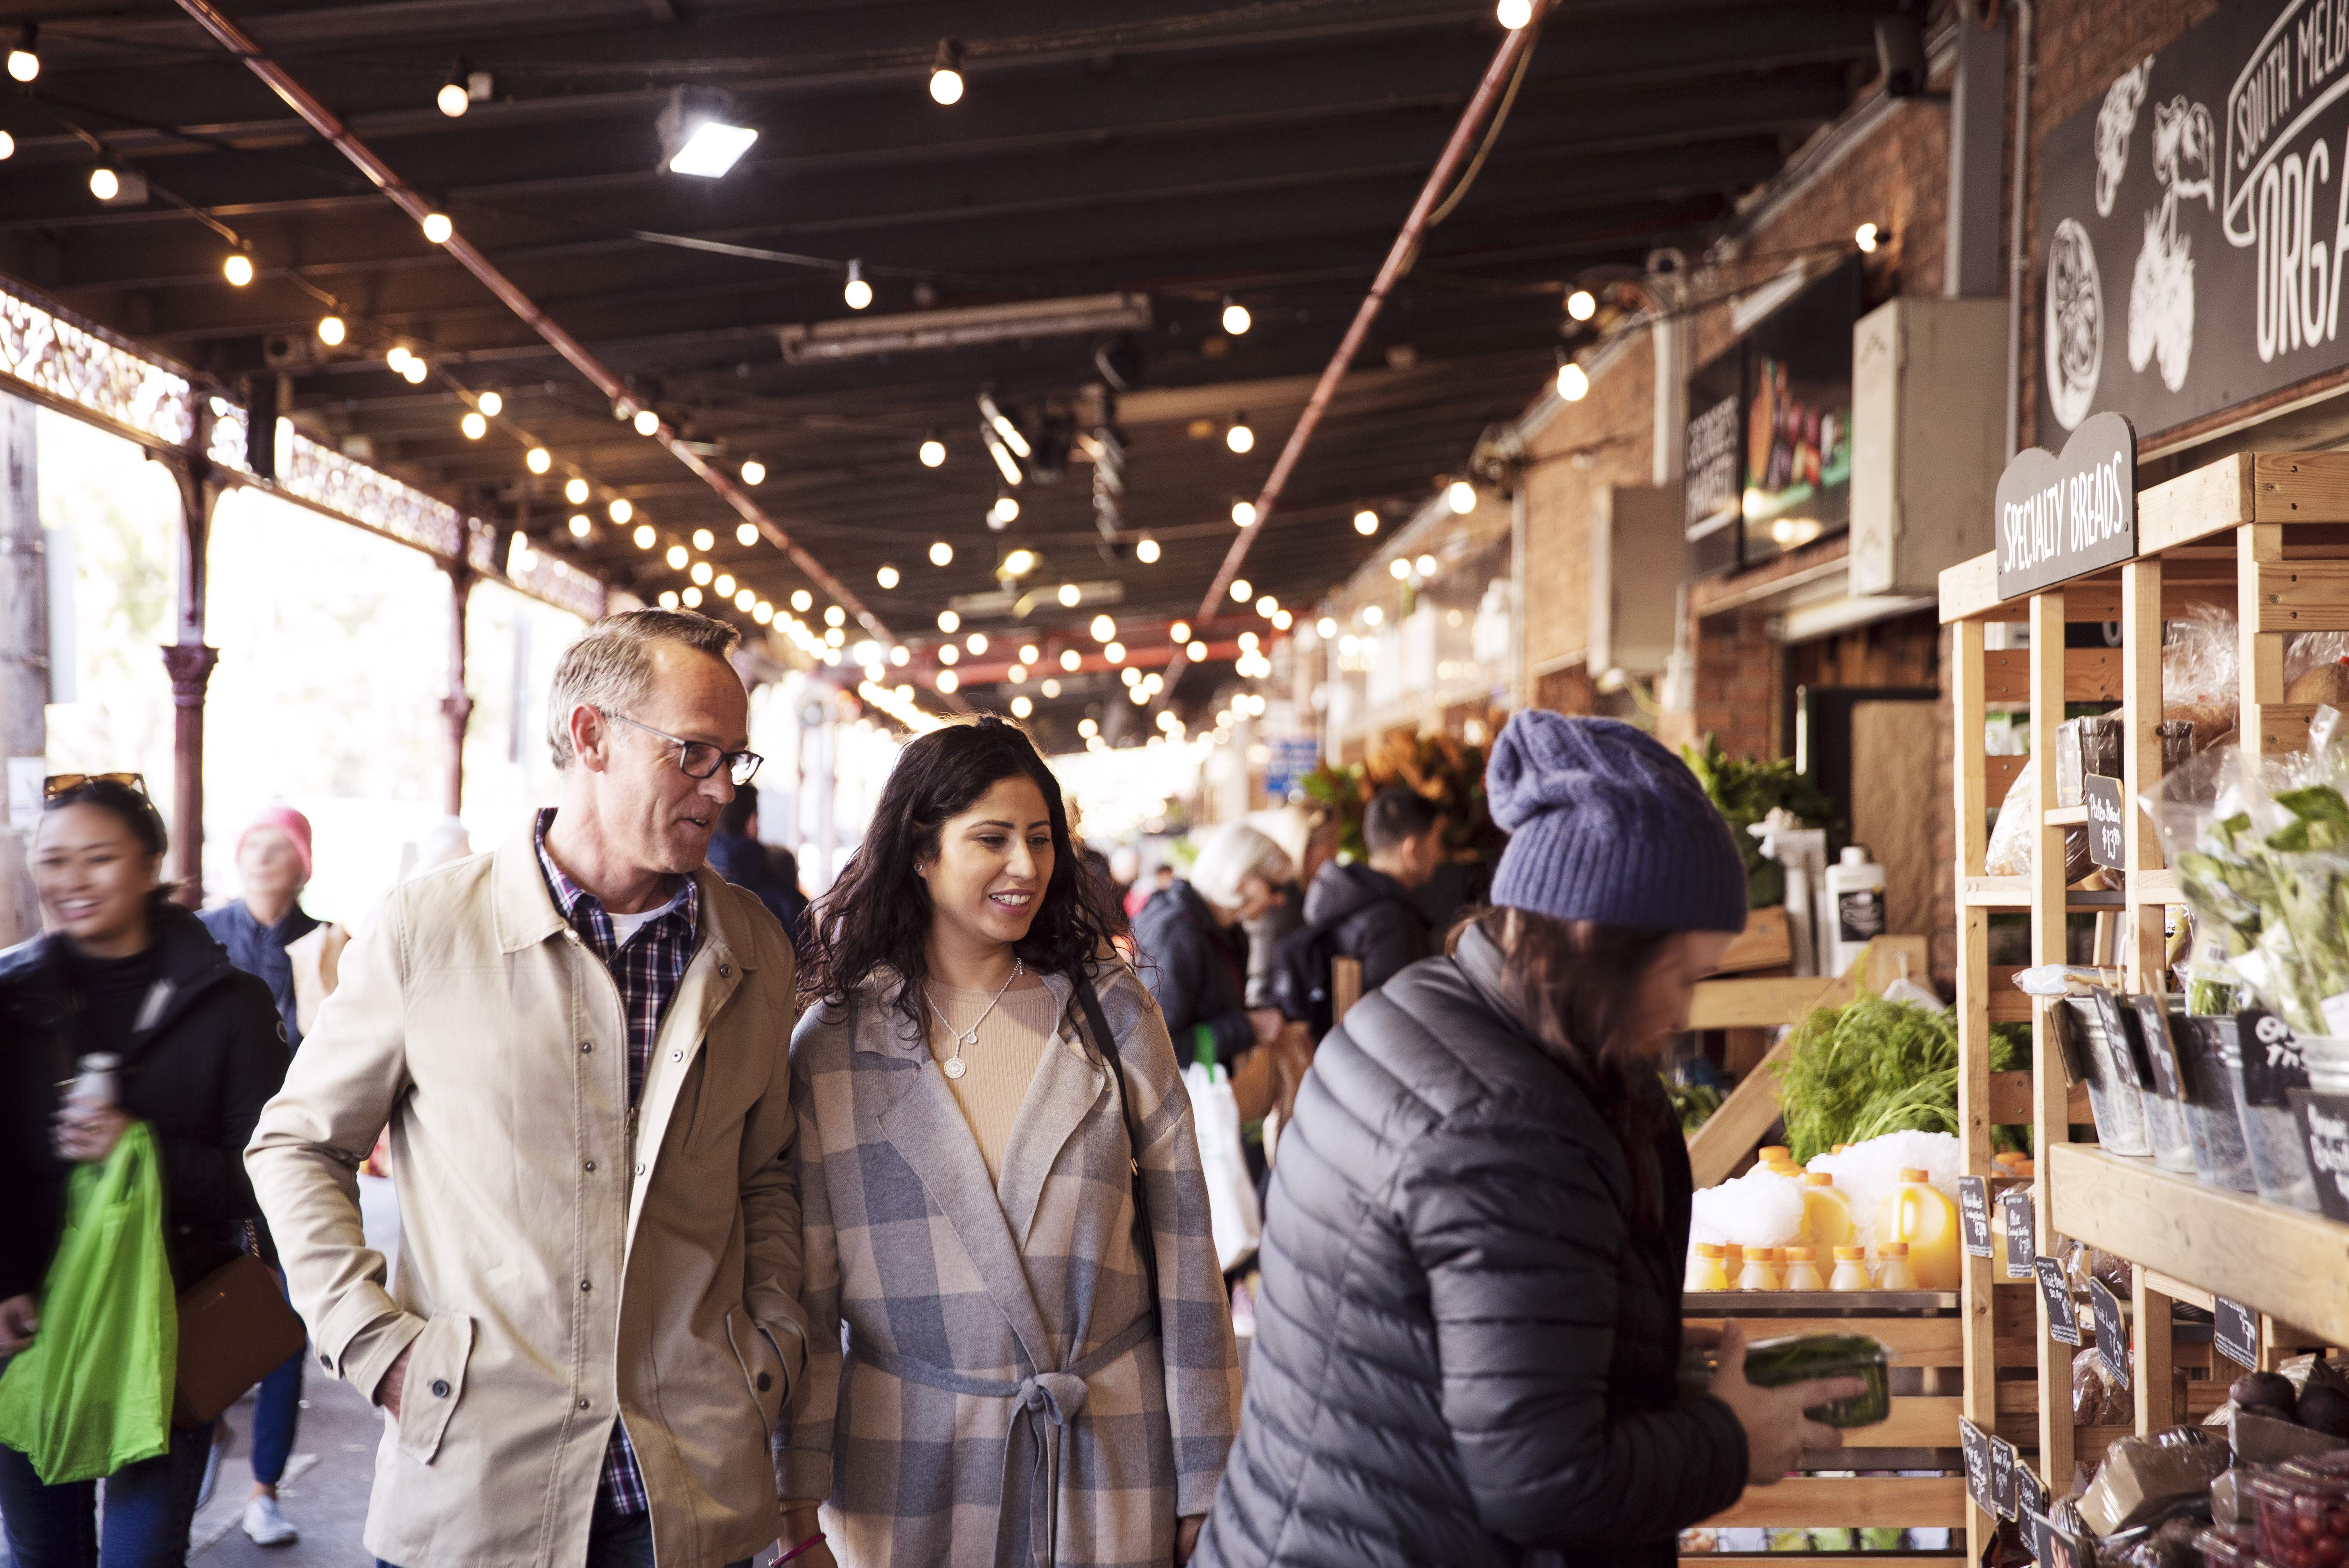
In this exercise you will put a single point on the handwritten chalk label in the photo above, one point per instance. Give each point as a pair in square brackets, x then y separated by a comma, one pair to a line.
[2106, 814]
[2112, 1329]
[2160, 1045]
[2123, 1042]
[1973, 1214]
[2057, 517]
[2021, 1250]
[2325, 1125]
[2002, 1467]
[2238, 1333]
[1975, 1442]
[2031, 1510]
[2062, 1317]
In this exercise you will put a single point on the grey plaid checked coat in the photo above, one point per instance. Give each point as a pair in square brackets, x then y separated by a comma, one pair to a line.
[983, 1389]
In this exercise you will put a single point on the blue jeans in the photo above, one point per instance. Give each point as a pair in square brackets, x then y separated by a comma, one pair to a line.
[148, 1507]
[276, 1414]
[616, 1540]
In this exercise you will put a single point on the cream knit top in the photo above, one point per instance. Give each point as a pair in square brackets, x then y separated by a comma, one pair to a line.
[999, 1067]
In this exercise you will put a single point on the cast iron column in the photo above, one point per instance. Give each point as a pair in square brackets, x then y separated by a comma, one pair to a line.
[189, 662]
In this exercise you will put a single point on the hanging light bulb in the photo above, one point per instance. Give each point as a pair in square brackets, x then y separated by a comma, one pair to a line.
[492, 404]
[452, 100]
[976, 642]
[746, 533]
[24, 55]
[703, 538]
[1070, 659]
[104, 183]
[398, 359]
[725, 585]
[1145, 550]
[621, 510]
[474, 426]
[1018, 563]
[886, 576]
[692, 596]
[1021, 707]
[1102, 628]
[539, 460]
[331, 330]
[414, 372]
[1236, 318]
[1582, 305]
[857, 292]
[676, 556]
[1399, 568]
[934, 453]
[1366, 522]
[579, 524]
[669, 599]
[574, 491]
[438, 228]
[1070, 595]
[1868, 236]
[1243, 513]
[1573, 382]
[754, 471]
[702, 573]
[945, 73]
[761, 611]
[1239, 438]
[647, 422]
[1514, 14]
[948, 621]
[1241, 590]
[1005, 510]
[1267, 606]
[1180, 633]
[1196, 652]
[802, 600]
[1461, 496]
[1051, 688]
[744, 599]
[237, 269]
[1114, 653]
[644, 536]
[941, 553]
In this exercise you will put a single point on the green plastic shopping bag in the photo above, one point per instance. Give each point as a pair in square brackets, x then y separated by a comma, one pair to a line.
[94, 1392]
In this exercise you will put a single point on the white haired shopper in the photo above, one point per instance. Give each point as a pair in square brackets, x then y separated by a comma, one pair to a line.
[1193, 956]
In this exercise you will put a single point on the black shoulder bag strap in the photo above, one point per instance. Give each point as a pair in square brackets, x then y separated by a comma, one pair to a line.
[1145, 1239]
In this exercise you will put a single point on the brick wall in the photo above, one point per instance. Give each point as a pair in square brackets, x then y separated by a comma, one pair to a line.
[1606, 438]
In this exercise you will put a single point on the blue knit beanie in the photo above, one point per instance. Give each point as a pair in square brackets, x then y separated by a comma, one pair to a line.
[1605, 825]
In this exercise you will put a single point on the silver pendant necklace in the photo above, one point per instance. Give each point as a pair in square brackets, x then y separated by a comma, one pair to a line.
[953, 1065]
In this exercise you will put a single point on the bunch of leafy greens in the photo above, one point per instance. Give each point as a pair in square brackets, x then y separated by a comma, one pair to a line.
[1746, 792]
[1871, 1068]
[1692, 1102]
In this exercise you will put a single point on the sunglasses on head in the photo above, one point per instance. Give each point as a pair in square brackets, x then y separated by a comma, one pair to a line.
[57, 784]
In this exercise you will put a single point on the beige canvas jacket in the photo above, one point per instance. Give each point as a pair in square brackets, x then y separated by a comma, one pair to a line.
[555, 1271]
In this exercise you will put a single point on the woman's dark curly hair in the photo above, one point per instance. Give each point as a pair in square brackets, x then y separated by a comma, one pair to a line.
[878, 914]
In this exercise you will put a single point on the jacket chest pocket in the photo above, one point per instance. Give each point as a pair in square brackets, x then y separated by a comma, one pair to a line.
[435, 1383]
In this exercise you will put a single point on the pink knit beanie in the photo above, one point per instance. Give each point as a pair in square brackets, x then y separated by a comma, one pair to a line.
[287, 821]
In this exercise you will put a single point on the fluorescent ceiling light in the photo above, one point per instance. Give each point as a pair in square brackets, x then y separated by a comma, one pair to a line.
[859, 337]
[700, 136]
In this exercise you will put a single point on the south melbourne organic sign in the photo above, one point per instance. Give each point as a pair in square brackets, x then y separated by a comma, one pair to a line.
[2060, 516]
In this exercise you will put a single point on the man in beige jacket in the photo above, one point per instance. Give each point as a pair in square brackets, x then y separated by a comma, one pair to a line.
[581, 1044]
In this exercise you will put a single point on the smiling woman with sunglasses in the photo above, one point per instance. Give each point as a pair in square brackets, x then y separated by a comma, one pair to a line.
[1019, 1350]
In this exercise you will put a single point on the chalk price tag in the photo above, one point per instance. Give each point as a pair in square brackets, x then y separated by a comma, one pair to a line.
[2112, 1330]
[2021, 1248]
[2160, 1045]
[2106, 838]
[2004, 1463]
[2031, 1510]
[2123, 1039]
[2062, 1317]
[1976, 1443]
[2238, 1334]
[1973, 1214]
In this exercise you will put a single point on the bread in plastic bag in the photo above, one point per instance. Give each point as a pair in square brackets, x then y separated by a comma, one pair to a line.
[2012, 837]
[2198, 681]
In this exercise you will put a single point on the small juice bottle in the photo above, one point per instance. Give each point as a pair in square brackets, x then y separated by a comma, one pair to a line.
[1802, 1273]
[1733, 1261]
[1894, 1274]
[1761, 1272]
[1772, 1153]
[1916, 1213]
[1826, 1217]
[1851, 1270]
[1704, 1270]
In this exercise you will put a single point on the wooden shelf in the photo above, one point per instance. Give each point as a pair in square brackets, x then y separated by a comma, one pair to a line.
[2068, 816]
[1881, 1501]
[2279, 1260]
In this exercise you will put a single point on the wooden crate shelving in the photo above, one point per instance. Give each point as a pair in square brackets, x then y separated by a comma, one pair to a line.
[2266, 536]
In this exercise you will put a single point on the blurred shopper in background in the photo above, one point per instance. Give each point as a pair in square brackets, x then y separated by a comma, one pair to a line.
[581, 1044]
[1195, 957]
[736, 853]
[1468, 1336]
[1020, 1347]
[1368, 903]
[125, 971]
[269, 935]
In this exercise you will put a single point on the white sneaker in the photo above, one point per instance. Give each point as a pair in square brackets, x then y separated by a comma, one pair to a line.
[266, 1525]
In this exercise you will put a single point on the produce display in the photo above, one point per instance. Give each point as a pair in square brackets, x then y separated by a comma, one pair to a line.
[1871, 1068]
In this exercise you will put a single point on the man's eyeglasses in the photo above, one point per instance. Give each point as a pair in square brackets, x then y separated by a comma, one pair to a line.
[57, 784]
[700, 759]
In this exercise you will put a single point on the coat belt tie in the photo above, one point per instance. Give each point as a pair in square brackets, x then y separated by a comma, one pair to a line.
[1048, 1402]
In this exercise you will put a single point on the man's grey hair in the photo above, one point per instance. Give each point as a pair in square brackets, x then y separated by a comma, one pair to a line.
[611, 668]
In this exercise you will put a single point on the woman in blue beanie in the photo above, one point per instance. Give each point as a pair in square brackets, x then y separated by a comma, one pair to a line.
[1468, 1336]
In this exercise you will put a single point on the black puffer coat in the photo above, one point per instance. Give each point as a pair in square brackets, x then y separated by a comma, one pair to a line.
[210, 1057]
[1466, 1344]
[1196, 971]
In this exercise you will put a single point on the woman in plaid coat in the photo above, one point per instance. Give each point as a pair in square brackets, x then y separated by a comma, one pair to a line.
[997, 1375]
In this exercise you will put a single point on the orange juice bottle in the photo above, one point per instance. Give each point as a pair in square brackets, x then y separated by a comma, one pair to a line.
[1761, 1272]
[1851, 1270]
[1894, 1274]
[1826, 1216]
[1704, 1270]
[1802, 1273]
[1916, 1213]
[1772, 1153]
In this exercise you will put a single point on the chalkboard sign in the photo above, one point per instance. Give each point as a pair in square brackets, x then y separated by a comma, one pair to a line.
[2160, 1047]
[2021, 1248]
[2031, 1510]
[2059, 517]
[2060, 1550]
[2270, 1055]
[1973, 1214]
[1976, 1443]
[2106, 815]
[2062, 1317]
[2325, 1125]
[2112, 1329]
[2071, 1040]
[2003, 1466]
[2238, 1334]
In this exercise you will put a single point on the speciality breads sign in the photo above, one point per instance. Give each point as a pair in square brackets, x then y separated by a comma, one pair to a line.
[2060, 516]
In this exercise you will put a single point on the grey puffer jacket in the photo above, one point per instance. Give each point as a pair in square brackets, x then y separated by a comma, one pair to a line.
[1466, 1343]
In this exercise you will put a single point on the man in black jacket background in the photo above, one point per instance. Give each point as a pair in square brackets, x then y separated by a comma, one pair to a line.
[1380, 925]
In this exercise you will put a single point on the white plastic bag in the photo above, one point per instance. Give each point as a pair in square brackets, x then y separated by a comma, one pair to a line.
[1231, 1195]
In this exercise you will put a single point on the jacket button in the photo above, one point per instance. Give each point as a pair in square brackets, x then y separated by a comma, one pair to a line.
[585, 1046]
[765, 1383]
[586, 1285]
[640, 1171]
[676, 1056]
[439, 1389]
[591, 1165]
[325, 1361]
[725, 971]
[582, 1404]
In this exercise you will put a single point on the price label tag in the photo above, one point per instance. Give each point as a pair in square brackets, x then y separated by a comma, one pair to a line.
[2112, 1330]
[2021, 1250]
[2160, 1045]
[2122, 1040]
[2106, 841]
[2062, 1317]
[2031, 1510]
[2059, 1550]
[1976, 1443]
[2003, 1466]
[2325, 1125]
[2237, 1335]
[1974, 1214]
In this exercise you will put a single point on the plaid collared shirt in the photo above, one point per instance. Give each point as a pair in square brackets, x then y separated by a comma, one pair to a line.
[647, 972]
